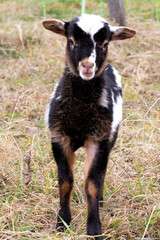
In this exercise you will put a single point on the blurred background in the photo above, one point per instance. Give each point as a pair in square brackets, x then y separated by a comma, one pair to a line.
[32, 10]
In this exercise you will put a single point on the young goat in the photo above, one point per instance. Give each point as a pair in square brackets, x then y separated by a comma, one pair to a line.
[85, 110]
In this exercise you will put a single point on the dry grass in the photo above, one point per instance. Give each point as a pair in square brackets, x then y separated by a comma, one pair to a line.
[31, 62]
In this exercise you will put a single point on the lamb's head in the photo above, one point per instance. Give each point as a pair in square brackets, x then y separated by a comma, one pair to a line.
[88, 37]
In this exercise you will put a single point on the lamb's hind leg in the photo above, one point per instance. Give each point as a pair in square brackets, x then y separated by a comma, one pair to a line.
[64, 161]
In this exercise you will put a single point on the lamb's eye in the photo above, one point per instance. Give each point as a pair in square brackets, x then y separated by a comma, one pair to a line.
[105, 45]
[71, 43]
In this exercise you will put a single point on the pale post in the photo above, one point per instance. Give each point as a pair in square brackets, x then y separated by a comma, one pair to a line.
[116, 11]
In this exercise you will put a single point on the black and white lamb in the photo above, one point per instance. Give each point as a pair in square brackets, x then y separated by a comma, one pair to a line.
[85, 110]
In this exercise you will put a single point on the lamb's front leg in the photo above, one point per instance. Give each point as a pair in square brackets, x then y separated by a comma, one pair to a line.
[64, 161]
[97, 157]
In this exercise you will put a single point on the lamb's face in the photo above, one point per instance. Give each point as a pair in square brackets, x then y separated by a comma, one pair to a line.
[88, 37]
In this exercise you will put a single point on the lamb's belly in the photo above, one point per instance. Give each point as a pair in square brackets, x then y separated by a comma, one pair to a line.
[95, 125]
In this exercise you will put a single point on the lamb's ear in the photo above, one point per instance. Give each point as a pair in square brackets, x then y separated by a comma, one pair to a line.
[56, 26]
[121, 33]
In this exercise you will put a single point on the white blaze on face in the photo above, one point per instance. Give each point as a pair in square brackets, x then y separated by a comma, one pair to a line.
[92, 58]
[91, 24]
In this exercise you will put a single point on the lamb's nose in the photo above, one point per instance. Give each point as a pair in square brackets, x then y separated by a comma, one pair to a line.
[87, 65]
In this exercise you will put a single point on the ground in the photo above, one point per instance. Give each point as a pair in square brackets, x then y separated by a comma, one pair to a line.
[31, 62]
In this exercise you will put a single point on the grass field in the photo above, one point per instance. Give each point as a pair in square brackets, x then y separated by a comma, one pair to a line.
[31, 62]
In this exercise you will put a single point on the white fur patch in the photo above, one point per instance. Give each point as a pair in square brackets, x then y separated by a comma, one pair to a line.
[103, 99]
[92, 58]
[117, 114]
[85, 77]
[117, 77]
[46, 115]
[53, 95]
[90, 23]
[114, 28]
[54, 92]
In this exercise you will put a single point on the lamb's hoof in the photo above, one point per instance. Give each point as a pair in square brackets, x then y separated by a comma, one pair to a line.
[60, 227]
[101, 204]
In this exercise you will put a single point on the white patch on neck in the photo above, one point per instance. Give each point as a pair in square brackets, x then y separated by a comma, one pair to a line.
[90, 23]
[117, 114]
[117, 77]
